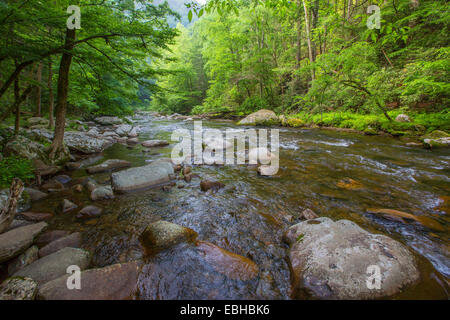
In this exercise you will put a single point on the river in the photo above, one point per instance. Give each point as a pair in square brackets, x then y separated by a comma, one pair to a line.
[337, 174]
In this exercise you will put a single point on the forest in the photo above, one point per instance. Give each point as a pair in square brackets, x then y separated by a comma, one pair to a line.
[356, 92]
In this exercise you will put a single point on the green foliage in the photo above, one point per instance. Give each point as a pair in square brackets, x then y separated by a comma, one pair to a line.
[15, 167]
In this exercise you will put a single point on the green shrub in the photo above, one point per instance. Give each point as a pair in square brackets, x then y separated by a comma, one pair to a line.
[15, 167]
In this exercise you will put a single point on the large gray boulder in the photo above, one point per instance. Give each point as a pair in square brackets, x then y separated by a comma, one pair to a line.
[18, 289]
[332, 260]
[123, 129]
[16, 241]
[262, 116]
[25, 148]
[55, 265]
[109, 165]
[102, 193]
[82, 142]
[153, 174]
[116, 282]
[108, 121]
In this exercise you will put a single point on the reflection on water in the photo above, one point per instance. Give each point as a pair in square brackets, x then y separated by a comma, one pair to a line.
[338, 175]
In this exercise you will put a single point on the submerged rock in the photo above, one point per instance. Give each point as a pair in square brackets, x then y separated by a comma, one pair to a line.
[161, 235]
[232, 265]
[261, 117]
[35, 195]
[16, 241]
[35, 216]
[154, 143]
[102, 193]
[107, 121]
[115, 282]
[67, 206]
[17, 288]
[73, 241]
[50, 236]
[206, 185]
[55, 265]
[404, 217]
[330, 260]
[89, 212]
[109, 165]
[153, 174]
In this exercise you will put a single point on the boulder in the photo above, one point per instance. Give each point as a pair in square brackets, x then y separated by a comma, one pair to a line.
[67, 206]
[34, 216]
[102, 193]
[16, 223]
[18, 289]
[23, 260]
[331, 260]
[89, 212]
[234, 266]
[152, 174]
[437, 143]
[55, 265]
[35, 195]
[50, 236]
[261, 117]
[109, 165]
[123, 130]
[37, 121]
[82, 142]
[133, 133]
[16, 241]
[206, 185]
[161, 235]
[108, 121]
[402, 118]
[73, 241]
[115, 282]
[154, 143]
[25, 148]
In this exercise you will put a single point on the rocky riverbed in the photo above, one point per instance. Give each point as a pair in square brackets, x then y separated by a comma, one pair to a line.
[140, 227]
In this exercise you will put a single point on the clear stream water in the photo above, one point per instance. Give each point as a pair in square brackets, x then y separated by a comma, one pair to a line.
[250, 214]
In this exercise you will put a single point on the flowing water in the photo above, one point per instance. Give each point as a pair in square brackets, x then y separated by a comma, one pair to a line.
[249, 215]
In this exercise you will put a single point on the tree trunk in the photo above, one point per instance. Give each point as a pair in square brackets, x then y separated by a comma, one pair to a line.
[51, 122]
[62, 91]
[9, 210]
[16, 100]
[38, 90]
[308, 37]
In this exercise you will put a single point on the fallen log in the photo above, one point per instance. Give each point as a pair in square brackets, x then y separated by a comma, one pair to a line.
[8, 212]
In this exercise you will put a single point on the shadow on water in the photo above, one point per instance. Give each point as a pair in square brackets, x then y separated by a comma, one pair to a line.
[338, 175]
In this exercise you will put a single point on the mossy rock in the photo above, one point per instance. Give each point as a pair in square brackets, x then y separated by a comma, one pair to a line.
[436, 134]
[295, 122]
[370, 132]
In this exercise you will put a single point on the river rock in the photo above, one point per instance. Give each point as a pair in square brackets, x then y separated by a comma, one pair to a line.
[133, 133]
[16, 241]
[50, 236]
[109, 165]
[154, 143]
[89, 212]
[62, 178]
[108, 121]
[402, 118]
[102, 193]
[261, 117]
[152, 174]
[17, 288]
[52, 186]
[123, 130]
[16, 223]
[34, 216]
[82, 142]
[55, 265]
[437, 143]
[115, 282]
[267, 170]
[73, 241]
[308, 214]
[206, 185]
[331, 259]
[67, 206]
[23, 260]
[37, 121]
[234, 266]
[132, 141]
[35, 195]
[161, 235]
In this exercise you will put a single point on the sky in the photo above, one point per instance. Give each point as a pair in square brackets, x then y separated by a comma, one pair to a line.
[201, 1]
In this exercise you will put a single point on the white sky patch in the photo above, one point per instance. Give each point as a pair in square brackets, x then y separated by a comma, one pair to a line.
[201, 1]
